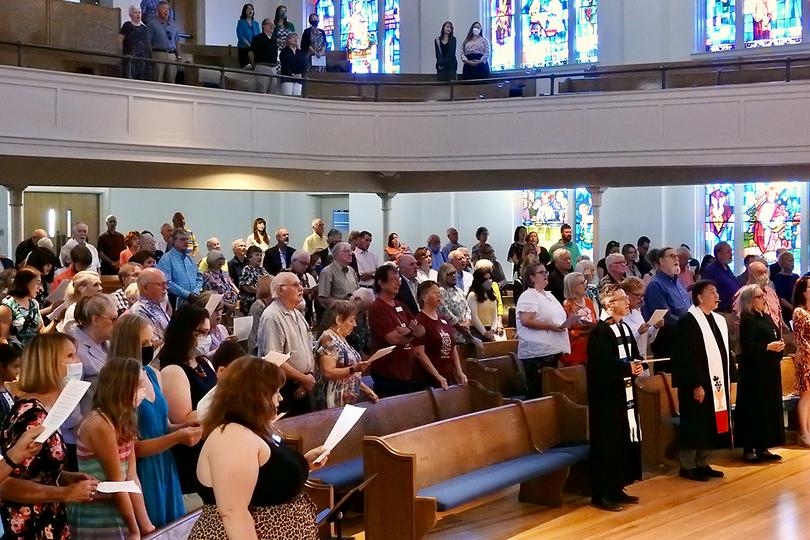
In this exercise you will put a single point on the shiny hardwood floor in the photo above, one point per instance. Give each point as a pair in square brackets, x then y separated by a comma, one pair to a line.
[753, 501]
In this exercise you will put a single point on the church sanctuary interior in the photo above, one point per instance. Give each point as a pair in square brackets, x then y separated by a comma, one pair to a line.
[404, 269]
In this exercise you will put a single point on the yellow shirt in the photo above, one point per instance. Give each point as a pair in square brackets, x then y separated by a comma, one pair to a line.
[203, 266]
[315, 243]
[497, 291]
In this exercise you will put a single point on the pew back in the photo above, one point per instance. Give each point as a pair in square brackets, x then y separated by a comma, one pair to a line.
[501, 374]
[499, 348]
[555, 420]
[569, 381]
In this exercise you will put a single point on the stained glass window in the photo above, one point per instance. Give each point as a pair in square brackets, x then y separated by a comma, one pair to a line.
[544, 33]
[721, 25]
[587, 35]
[391, 48]
[544, 211]
[326, 11]
[359, 20]
[770, 23]
[719, 215]
[583, 232]
[771, 212]
[502, 40]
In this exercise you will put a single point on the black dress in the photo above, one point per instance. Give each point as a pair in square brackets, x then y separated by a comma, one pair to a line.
[759, 422]
[446, 62]
[615, 458]
[200, 380]
[690, 369]
[136, 44]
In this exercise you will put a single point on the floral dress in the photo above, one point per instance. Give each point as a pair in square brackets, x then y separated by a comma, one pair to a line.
[801, 360]
[220, 282]
[455, 309]
[249, 278]
[331, 394]
[39, 521]
[25, 322]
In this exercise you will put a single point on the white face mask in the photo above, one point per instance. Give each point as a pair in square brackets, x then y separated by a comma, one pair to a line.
[74, 372]
[476, 31]
[202, 345]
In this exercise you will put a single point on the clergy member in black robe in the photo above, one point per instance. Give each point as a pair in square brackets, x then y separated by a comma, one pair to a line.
[702, 373]
[759, 422]
[614, 426]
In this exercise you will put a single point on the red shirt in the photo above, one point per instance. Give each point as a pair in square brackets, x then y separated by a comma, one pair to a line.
[67, 274]
[438, 342]
[384, 319]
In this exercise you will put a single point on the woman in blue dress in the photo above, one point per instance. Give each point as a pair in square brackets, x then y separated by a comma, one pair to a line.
[132, 338]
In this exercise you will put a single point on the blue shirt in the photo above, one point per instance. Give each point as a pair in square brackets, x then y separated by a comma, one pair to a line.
[245, 32]
[666, 292]
[448, 247]
[163, 35]
[437, 258]
[182, 274]
[726, 282]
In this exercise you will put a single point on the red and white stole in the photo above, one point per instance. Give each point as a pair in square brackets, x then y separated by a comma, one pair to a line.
[716, 372]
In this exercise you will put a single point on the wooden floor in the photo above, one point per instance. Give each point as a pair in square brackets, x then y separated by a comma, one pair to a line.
[753, 501]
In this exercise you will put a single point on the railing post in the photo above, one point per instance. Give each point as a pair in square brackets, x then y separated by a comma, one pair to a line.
[551, 85]
[376, 92]
[663, 78]
[222, 78]
[452, 91]
[19, 54]
[787, 69]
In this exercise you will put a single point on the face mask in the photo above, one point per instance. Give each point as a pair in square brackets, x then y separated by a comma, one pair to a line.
[476, 31]
[74, 372]
[147, 354]
[202, 345]
[488, 285]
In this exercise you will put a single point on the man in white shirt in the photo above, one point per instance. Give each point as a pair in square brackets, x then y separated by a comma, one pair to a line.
[165, 240]
[79, 236]
[366, 261]
[460, 262]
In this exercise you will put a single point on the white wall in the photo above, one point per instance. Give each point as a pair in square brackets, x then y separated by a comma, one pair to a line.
[221, 17]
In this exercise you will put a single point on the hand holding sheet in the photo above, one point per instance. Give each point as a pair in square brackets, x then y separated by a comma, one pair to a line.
[657, 316]
[345, 422]
[242, 327]
[277, 358]
[382, 352]
[571, 321]
[118, 487]
[213, 302]
[68, 400]
[58, 294]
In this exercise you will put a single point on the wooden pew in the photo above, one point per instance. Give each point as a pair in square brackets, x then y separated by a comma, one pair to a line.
[430, 469]
[568, 381]
[499, 348]
[110, 284]
[501, 374]
[657, 403]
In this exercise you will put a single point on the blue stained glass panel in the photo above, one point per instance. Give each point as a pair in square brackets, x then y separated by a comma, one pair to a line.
[583, 232]
[359, 34]
[326, 11]
[772, 215]
[770, 23]
[719, 215]
[391, 48]
[721, 25]
[502, 40]
[587, 34]
[544, 27]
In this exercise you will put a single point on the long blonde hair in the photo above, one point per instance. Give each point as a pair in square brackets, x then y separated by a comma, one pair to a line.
[79, 282]
[39, 372]
[126, 337]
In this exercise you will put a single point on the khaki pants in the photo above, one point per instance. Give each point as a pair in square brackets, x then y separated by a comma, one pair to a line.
[265, 85]
[164, 72]
[290, 88]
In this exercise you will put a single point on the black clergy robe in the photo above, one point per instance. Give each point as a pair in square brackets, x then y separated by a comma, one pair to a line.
[759, 422]
[615, 459]
[690, 369]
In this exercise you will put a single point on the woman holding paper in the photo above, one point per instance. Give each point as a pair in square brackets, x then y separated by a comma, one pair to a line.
[575, 291]
[218, 331]
[251, 483]
[187, 377]
[341, 370]
[35, 494]
[106, 450]
[132, 338]
[643, 332]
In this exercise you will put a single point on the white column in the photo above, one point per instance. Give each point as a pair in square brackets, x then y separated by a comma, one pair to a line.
[15, 202]
[386, 200]
[596, 204]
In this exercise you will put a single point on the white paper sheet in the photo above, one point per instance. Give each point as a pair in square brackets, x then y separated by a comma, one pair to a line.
[318, 61]
[382, 352]
[345, 422]
[242, 327]
[653, 360]
[213, 302]
[58, 294]
[277, 358]
[118, 487]
[570, 321]
[68, 400]
[657, 315]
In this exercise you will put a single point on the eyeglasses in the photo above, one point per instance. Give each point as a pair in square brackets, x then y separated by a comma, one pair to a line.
[162, 284]
[108, 317]
[541, 273]
[452, 273]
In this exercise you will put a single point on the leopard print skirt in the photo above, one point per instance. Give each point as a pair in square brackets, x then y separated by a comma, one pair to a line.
[294, 520]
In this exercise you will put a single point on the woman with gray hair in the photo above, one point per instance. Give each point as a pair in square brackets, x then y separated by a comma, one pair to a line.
[759, 418]
[454, 307]
[135, 42]
[588, 270]
[577, 303]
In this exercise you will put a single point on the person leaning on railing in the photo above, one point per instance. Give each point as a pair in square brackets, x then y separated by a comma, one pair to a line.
[163, 38]
[293, 64]
[135, 42]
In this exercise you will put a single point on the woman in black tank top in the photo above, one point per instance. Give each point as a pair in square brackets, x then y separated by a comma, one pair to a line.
[241, 455]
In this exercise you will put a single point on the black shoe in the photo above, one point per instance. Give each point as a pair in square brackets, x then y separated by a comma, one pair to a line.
[694, 474]
[750, 457]
[710, 473]
[606, 504]
[623, 497]
[768, 456]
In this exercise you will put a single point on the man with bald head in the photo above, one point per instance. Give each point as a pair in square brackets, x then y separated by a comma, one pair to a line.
[110, 245]
[79, 237]
[27, 246]
[278, 257]
[408, 286]
[759, 274]
[153, 301]
[212, 244]
[338, 280]
[460, 263]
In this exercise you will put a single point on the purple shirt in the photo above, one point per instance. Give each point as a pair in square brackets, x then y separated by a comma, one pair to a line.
[726, 282]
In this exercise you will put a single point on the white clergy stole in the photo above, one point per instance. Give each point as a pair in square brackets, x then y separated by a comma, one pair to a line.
[716, 372]
[623, 335]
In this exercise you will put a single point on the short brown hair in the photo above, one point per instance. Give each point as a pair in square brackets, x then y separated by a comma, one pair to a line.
[24, 277]
[245, 396]
[40, 363]
[127, 269]
[264, 287]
